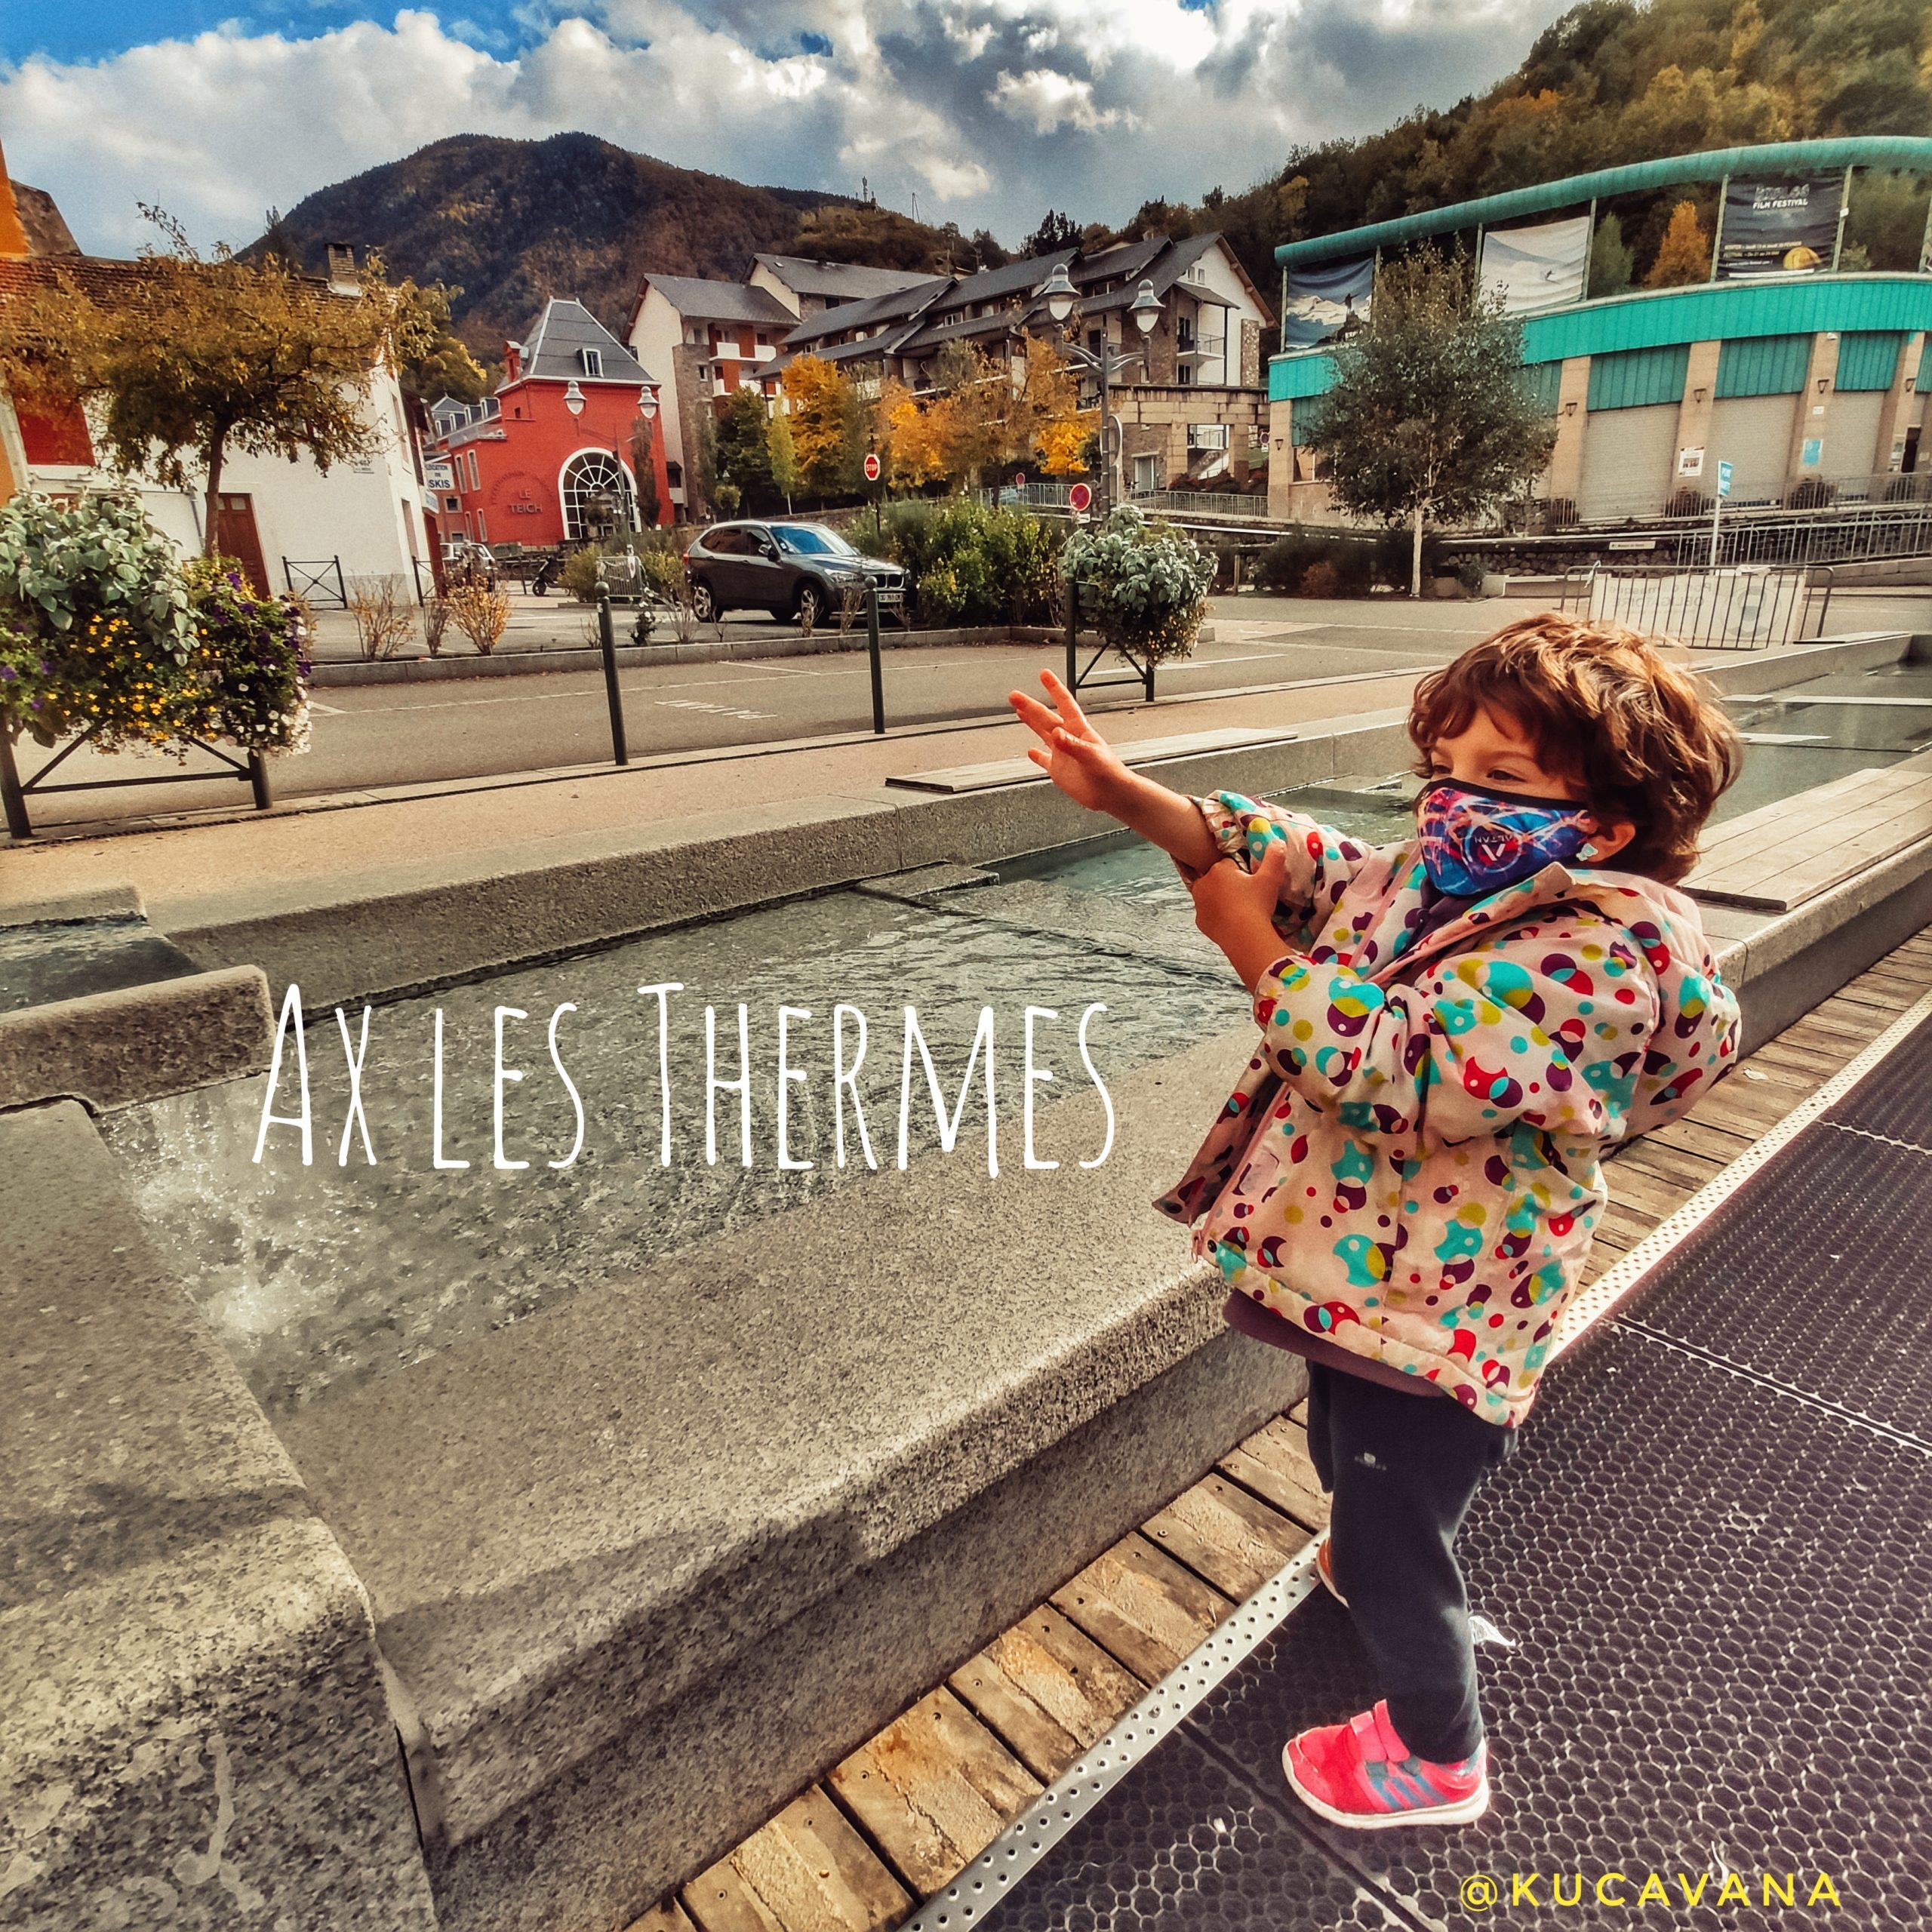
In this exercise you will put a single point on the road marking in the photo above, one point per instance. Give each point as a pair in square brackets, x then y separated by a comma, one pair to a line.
[322, 710]
[722, 710]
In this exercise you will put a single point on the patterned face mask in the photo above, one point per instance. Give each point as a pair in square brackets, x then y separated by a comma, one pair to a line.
[1477, 842]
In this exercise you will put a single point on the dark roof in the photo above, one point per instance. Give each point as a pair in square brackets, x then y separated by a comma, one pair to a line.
[1171, 262]
[721, 301]
[960, 328]
[1017, 280]
[894, 306]
[565, 327]
[850, 279]
[1129, 258]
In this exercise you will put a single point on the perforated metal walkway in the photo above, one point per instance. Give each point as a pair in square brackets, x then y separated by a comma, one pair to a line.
[1707, 1579]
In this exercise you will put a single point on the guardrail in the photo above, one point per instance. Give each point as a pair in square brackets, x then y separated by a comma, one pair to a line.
[321, 581]
[1736, 609]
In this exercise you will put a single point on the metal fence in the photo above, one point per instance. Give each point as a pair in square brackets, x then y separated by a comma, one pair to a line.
[1746, 609]
[319, 583]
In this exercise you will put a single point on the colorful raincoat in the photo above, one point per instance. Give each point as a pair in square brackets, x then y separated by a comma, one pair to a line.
[1409, 1167]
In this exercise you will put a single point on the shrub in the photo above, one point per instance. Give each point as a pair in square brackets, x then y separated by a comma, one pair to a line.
[1687, 502]
[1813, 493]
[1147, 583]
[1321, 579]
[435, 622]
[1352, 564]
[1470, 571]
[482, 615]
[968, 564]
[103, 631]
[379, 606]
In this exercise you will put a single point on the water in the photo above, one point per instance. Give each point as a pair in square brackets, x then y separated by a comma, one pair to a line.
[319, 1279]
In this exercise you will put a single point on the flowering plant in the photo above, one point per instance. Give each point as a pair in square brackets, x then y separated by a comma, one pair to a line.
[103, 631]
[1147, 583]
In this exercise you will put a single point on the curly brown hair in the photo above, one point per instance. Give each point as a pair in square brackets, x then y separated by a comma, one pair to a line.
[1640, 739]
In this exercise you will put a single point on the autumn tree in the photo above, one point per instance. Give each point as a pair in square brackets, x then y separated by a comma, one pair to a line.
[782, 454]
[434, 361]
[1684, 257]
[1054, 432]
[825, 412]
[182, 360]
[1430, 416]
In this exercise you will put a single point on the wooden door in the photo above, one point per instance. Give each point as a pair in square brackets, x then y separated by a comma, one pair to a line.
[235, 537]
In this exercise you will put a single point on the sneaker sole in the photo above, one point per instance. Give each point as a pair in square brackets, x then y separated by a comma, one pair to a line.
[1465, 1811]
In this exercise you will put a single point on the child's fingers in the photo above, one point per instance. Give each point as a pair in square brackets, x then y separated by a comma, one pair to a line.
[1064, 698]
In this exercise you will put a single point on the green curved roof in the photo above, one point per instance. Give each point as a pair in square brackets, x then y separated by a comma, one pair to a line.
[1908, 150]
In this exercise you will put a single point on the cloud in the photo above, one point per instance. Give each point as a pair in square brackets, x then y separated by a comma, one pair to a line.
[987, 109]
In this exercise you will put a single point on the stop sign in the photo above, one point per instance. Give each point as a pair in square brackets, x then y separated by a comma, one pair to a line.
[872, 468]
[1079, 497]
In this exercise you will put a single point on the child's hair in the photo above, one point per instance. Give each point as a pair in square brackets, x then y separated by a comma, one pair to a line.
[1642, 739]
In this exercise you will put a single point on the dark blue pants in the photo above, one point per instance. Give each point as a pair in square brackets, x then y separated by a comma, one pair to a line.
[1401, 1471]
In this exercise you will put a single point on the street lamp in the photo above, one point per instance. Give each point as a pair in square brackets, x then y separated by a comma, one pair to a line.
[573, 399]
[1061, 296]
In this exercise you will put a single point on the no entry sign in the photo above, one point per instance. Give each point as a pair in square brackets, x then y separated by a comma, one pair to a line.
[872, 468]
[1079, 497]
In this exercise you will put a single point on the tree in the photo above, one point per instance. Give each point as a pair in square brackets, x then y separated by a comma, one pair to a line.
[437, 363]
[744, 456]
[182, 360]
[702, 468]
[823, 418]
[1685, 255]
[782, 454]
[1612, 264]
[911, 453]
[1053, 432]
[1430, 416]
[1055, 231]
[644, 467]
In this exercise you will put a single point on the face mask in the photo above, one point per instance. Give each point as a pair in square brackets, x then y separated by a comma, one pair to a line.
[1477, 842]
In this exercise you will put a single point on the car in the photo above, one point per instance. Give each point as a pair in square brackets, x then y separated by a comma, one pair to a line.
[795, 569]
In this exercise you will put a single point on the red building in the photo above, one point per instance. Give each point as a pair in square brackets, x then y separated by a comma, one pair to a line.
[548, 457]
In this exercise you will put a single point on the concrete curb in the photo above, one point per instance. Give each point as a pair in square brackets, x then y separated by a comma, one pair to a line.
[588, 657]
[138, 1043]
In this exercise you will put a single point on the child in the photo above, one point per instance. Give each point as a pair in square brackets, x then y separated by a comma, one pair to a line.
[1404, 1185]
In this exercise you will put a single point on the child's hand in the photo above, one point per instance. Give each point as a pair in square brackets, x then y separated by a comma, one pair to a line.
[1235, 909]
[1077, 758]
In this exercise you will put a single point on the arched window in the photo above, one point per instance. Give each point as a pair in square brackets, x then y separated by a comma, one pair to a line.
[597, 496]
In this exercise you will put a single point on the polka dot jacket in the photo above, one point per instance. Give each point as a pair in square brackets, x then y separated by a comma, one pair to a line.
[1411, 1165]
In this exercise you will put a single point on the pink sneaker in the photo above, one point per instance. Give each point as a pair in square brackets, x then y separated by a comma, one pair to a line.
[1361, 1774]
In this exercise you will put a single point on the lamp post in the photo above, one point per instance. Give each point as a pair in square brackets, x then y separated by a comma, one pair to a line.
[1061, 297]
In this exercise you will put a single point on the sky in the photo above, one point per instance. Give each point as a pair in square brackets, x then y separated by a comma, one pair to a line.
[985, 113]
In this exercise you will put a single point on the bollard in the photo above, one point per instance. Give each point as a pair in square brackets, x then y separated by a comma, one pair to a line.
[872, 648]
[1072, 640]
[607, 643]
[258, 781]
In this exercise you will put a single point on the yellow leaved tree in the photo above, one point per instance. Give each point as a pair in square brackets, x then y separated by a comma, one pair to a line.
[179, 360]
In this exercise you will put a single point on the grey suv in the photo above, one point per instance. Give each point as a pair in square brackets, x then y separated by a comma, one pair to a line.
[797, 570]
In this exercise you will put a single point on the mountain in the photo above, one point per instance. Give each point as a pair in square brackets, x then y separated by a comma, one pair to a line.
[1612, 82]
[514, 223]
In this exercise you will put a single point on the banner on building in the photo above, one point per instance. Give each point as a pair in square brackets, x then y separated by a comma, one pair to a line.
[1536, 269]
[1778, 227]
[1318, 303]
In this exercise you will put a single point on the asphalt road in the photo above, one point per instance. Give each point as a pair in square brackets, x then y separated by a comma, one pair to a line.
[374, 736]
[379, 735]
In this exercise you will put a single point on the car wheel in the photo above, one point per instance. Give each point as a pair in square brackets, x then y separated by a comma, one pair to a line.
[810, 607]
[704, 605]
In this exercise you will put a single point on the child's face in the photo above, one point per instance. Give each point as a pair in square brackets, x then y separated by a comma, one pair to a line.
[1493, 750]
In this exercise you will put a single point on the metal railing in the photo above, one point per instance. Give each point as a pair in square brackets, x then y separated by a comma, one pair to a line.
[1748, 608]
[318, 582]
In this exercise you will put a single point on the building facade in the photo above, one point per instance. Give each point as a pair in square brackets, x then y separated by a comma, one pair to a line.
[1805, 384]
[550, 458]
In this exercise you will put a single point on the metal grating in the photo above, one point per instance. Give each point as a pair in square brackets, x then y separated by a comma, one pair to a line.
[1713, 1610]
[1894, 1100]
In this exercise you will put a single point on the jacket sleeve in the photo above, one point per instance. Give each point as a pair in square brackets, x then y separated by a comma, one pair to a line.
[1321, 861]
[1551, 1031]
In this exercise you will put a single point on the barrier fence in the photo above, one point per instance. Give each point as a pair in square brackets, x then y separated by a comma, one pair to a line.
[1739, 609]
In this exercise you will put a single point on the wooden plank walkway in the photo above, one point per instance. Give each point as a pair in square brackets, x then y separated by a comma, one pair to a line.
[905, 1812]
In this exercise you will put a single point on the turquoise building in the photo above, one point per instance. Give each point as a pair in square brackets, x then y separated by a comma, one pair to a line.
[1791, 378]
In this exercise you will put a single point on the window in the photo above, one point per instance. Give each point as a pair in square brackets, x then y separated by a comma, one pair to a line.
[1146, 472]
[597, 496]
[592, 360]
[1207, 435]
[722, 540]
[811, 539]
[476, 475]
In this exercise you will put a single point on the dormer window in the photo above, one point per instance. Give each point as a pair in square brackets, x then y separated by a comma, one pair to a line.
[592, 360]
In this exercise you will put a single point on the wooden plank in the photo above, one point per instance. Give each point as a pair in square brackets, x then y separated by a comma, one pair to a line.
[1047, 1690]
[1628, 1225]
[1637, 1193]
[1722, 1145]
[1670, 1166]
[1847, 1028]
[668, 1916]
[1738, 1107]
[1138, 1603]
[807, 1870]
[1274, 1462]
[1221, 1532]
[934, 1789]
[1796, 1064]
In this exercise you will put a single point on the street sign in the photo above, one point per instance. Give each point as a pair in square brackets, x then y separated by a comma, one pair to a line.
[872, 468]
[1019, 479]
[1079, 497]
[1723, 479]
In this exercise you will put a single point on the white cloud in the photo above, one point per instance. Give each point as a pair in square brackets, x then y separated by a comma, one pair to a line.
[1052, 100]
[951, 98]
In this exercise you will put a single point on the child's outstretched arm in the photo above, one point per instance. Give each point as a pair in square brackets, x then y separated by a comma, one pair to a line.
[1087, 769]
